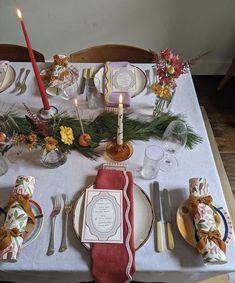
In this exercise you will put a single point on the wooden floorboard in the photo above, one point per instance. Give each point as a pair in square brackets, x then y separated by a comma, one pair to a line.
[220, 109]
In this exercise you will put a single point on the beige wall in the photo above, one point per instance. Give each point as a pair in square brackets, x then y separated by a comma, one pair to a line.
[189, 27]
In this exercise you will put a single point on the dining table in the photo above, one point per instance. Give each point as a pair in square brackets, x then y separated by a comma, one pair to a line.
[74, 264]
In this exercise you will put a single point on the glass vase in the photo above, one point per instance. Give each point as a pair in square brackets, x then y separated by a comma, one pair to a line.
[161, 106]
[3, 165]
[53, 158]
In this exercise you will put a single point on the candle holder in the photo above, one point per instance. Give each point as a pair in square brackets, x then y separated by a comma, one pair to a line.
[119, 152]
[48, 114]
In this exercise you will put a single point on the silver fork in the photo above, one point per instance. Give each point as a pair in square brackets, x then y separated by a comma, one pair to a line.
[55, 212]
[23, 86]
[17, 82]
[67, 209]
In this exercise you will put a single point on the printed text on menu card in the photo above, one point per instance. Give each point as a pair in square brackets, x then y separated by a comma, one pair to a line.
[102, 218]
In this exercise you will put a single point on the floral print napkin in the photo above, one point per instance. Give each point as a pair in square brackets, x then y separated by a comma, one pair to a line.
[210, 244]
[19, 213]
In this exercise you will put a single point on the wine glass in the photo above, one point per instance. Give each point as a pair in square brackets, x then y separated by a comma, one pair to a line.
[174, 140]
[68, 87]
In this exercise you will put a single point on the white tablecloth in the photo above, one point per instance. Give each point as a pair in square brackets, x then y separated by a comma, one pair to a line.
[179, 265]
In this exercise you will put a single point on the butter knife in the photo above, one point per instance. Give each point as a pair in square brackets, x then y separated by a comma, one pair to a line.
[158, 216]
[168, 219]
[83, 81]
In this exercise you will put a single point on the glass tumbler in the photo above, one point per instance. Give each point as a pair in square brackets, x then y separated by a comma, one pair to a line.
[152, 161]
[92, 93]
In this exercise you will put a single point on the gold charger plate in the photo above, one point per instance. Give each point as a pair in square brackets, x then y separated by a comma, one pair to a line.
[187, 228]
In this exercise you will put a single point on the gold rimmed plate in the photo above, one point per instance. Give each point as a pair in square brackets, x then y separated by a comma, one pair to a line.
[187, 229]
[141, 80]
[8, 79]
[142, 210]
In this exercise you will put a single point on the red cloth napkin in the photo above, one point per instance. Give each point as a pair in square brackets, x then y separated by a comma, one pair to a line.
[115, 263]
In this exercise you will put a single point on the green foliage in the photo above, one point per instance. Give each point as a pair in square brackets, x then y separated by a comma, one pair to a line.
[104, 128]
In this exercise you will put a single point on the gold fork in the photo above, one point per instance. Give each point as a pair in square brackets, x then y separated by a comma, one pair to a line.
[67, 209]
[55, 212]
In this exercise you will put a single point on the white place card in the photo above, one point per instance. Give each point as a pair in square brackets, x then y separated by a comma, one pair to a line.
[102, 218]
[123, 79]
[3, 72]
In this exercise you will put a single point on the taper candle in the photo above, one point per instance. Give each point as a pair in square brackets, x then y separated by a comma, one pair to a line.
[120, 122]
[34, 63]
[78, 115]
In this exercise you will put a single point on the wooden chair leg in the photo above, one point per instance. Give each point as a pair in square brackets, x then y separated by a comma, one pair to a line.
[228, 75]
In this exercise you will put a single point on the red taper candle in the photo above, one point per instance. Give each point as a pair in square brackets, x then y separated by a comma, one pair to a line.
[34, 63]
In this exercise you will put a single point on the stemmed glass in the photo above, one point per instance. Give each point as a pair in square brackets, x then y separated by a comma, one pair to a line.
[70, 91]
[174, 140]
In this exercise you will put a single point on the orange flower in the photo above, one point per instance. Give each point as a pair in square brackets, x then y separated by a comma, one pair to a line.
[50, 143]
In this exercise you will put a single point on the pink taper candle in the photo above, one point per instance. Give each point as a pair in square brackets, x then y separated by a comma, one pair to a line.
[34, 63]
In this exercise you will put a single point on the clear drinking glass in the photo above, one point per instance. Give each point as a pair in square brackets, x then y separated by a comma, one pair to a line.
[68, 90]
[92, 93]
[152, 161]
[174, 140]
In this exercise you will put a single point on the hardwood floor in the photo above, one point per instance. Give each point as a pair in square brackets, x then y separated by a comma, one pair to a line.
[220, 108]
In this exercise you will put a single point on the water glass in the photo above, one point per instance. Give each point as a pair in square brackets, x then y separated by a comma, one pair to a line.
[92, 93]
[152, 161]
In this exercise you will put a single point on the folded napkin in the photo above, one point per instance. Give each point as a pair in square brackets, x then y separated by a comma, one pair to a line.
[19, 213]
[115, 263]
[60, 74]
[114, 85]
[210, 244]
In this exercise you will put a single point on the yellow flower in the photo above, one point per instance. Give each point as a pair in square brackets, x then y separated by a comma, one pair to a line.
[50, 143]
[170, 70]
[66, 134]
[32, 140]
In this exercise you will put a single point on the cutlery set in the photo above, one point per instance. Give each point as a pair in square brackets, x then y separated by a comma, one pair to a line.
[86, 74]
[163, 202]
[55, 212]
[20, 86]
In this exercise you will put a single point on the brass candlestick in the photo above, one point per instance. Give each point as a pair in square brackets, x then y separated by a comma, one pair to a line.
[119, 152]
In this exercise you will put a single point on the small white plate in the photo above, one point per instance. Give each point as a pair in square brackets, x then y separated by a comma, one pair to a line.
[143, 216]
[9, 79]
[141, 81]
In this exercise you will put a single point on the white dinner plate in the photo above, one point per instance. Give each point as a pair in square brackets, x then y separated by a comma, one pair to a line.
[187, 229]
[143, 216]
[141, 81]
[9, 79]
[32, 231]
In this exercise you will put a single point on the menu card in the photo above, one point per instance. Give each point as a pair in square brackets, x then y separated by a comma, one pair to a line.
[123, 79]
[102, 218]
[3, 72]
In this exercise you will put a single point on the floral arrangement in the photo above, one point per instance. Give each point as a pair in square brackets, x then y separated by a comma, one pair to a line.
[168, 68]
[63, 133]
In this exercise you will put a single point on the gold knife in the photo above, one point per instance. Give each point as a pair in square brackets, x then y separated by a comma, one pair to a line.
[158, 218]
[168, 219]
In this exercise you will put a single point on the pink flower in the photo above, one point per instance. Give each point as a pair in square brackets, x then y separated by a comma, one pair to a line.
[167, 54]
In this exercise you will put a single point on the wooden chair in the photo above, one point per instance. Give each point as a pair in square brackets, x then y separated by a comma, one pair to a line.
[112, 52]
[17, 53]
[228, 75]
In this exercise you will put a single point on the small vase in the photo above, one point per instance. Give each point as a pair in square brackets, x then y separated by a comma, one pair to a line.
[53, 159]
[161, 106]
[3, 165]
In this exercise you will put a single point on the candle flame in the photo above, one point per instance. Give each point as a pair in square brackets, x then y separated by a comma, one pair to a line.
[76, 102]
[120, 98]
[19, 14]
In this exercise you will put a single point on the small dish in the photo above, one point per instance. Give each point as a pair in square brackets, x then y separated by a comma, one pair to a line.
[141, 80]
[187, 228]
[142, 210]
[8, 79]
[32, 231]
